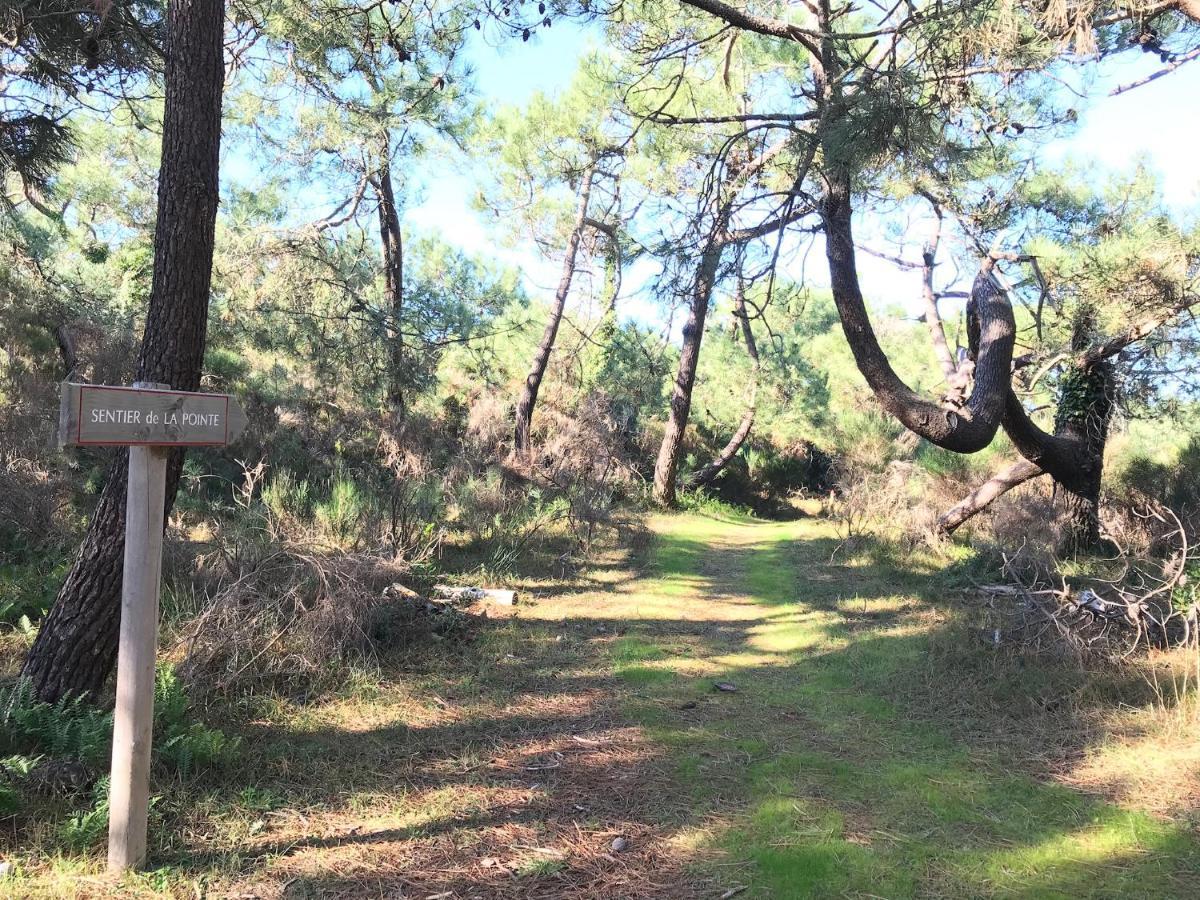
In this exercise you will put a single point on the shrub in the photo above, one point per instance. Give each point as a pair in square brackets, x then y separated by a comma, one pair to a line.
[287, 498]
[10, 801]
[941, 462]
[801, 467]
[28, 590]
[701, 502]
[1172, 483]
[342, 516]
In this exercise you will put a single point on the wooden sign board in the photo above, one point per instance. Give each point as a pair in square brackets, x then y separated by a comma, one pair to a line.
[147, 418]
[92, 415]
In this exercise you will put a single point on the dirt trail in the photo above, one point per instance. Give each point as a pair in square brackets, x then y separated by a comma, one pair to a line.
[521, 781]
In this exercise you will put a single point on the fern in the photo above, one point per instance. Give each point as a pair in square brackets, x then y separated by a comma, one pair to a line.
[67, 728]
[71, 729]
[87, 828]
[19, 766]
[170, 700]
[182, 746]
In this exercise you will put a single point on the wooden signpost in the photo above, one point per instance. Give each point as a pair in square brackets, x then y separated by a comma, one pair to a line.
[149, 419]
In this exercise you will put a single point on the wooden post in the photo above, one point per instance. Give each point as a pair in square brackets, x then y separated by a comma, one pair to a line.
[149, 419]
[134, 712]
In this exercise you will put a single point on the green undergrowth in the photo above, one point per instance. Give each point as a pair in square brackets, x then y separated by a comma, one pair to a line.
[54, 758]
[867, 744]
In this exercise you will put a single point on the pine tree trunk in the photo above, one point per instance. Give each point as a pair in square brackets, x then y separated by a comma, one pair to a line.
[66, 351]
[709, 472]
[1082, 531]
[666, 468]
[1074, 454]
[393, 275]
[522, 434]
[1084, 409]
[964, 430]
[76, 646]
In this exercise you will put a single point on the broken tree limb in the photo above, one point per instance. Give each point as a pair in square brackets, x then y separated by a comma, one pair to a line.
[987, 493]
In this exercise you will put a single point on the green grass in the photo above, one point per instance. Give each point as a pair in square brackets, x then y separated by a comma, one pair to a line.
[853, 778]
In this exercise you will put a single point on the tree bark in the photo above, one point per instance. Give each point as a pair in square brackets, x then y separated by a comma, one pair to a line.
[1073, 455]
[522, 435]
[66, 351]
[75, 648]
[666, 468]
[1190, 8]
[717, 464]
[1084, 410]
[964, 430]
[392, 243]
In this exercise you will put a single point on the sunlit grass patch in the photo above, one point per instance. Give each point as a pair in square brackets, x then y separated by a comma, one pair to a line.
[802, 847]
[643, 676]
[539, 866]
[634, 649]
[1118, 853]
[803, 631]
[848, 756]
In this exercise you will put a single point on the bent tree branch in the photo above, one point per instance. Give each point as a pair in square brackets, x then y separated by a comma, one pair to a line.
[965, 430]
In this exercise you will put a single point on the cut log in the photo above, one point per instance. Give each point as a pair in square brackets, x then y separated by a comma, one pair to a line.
[473, 594]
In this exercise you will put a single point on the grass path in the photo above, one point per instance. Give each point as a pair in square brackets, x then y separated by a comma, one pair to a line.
[872, 748]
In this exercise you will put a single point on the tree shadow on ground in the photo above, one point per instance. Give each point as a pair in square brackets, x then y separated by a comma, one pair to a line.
[873, 747]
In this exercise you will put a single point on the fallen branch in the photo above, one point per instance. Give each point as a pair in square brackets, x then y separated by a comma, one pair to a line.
[474, 594]
[986, 494]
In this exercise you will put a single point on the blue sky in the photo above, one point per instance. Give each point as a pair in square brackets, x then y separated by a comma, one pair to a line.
[1158, 123]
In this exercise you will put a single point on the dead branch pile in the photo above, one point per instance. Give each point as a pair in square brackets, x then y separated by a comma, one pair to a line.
[1147, 603]
[292, 615]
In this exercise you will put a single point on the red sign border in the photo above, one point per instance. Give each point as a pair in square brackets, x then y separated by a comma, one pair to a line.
[133, 390]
